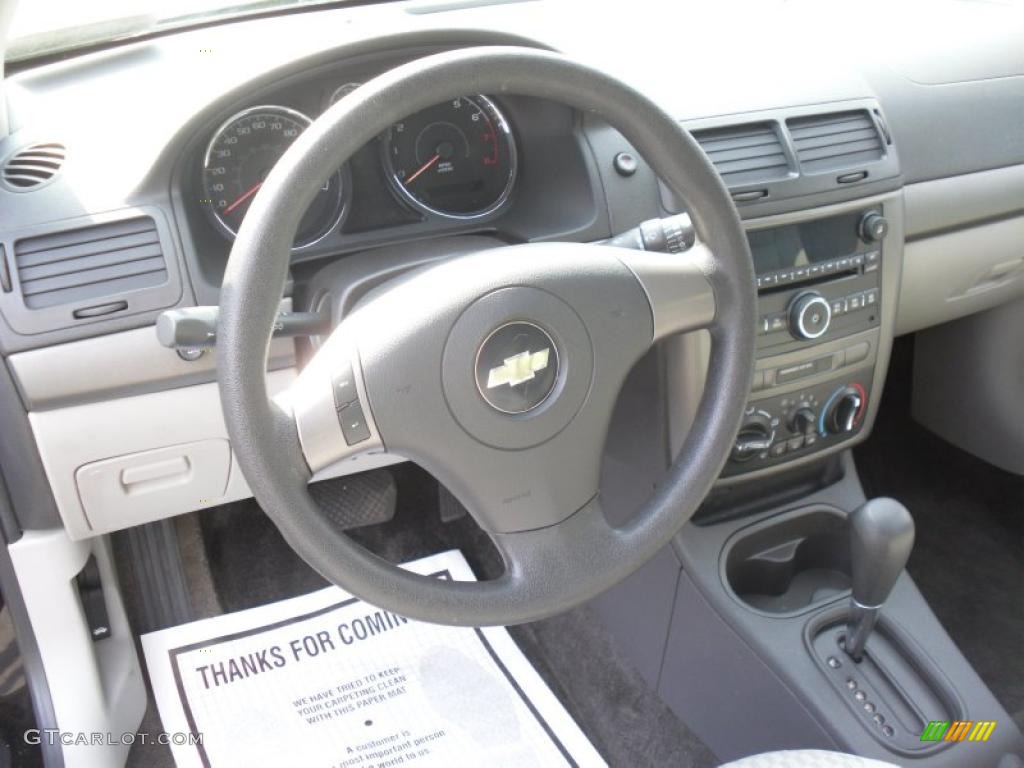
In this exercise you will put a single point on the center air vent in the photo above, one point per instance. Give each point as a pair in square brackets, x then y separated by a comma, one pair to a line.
[33, 166]
[745, 154]
[81, 264]
[836, 141]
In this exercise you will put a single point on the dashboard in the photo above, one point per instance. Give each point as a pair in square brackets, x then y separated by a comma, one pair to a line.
[150, 197]
[874, 151]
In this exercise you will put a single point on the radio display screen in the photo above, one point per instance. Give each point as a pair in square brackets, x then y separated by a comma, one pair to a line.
[797, 245]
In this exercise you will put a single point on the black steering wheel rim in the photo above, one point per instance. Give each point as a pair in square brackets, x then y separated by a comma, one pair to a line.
[552, 569]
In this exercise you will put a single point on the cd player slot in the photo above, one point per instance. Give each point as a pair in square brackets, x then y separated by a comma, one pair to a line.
[809, 281]
[810, 274]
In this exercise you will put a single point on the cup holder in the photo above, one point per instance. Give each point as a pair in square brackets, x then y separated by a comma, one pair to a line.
[790, 563]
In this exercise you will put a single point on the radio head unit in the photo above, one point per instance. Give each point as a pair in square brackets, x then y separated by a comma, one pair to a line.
[817, 280]
[815, 249]
[819, 308]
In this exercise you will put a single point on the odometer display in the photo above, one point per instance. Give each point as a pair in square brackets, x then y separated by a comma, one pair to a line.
[238, 159]
[456, 159]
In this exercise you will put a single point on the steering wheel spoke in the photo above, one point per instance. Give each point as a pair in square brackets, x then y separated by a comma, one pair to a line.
[329, 404]
[677, 285]
[581, 548]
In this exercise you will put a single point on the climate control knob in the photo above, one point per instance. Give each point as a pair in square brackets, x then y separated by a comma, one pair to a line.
[803, 422]
[755, 436]
[809, 315]
[843, 410]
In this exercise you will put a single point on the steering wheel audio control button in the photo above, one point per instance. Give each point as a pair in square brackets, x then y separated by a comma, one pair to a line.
[330, 406]
[344, 385]
[353, 423]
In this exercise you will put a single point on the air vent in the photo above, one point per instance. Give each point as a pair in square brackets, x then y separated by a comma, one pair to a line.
[830, 142]
[81, 264]
[745, 154]
[33, 166]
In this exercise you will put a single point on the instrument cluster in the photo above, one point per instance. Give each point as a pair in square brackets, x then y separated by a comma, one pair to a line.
[455, 161]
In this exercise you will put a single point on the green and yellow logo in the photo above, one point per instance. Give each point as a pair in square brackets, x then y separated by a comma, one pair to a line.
[958, 730]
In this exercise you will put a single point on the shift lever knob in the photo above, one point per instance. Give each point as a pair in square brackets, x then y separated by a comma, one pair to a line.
[881, 537]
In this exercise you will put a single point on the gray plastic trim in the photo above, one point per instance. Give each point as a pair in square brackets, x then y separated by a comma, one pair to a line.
[20, 462]
[74, 436]
[116, 365]
[968, 380]
[95, 686]
[951, 275]
[961, 201]
[681, 299]
[28, 648]
[26, 321]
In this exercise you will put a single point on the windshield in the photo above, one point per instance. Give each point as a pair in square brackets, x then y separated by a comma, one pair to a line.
[43, 27]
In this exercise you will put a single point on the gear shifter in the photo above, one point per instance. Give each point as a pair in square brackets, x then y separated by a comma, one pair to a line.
[881, 537]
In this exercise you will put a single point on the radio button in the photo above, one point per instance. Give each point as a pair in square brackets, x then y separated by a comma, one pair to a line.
[809, 315]
[838, 307]
[855, 302]
[871, 297]
[873, 227]
[858, 260]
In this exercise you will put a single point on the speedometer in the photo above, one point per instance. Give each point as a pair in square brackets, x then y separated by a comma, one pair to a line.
[456, 159]
[238, 159]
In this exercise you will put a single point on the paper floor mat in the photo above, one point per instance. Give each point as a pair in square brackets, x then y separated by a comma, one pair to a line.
[327, 681]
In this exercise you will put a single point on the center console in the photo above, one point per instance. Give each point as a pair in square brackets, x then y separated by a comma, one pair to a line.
[819, 300]
[782, 616]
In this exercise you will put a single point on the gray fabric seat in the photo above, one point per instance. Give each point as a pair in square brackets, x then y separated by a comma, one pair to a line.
[806, 758]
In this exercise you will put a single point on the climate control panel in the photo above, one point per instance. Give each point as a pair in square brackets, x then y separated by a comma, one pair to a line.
[776, 429]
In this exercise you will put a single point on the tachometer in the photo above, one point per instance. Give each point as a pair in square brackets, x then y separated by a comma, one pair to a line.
[238, 159]
[456, 159]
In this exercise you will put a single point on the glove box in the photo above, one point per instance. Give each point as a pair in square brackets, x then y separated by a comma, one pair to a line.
[138, 487]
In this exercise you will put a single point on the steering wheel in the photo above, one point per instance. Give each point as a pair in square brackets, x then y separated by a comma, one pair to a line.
[496, 371]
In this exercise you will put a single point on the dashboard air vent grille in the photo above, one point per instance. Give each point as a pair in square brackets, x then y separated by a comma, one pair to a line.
[834, 141]
[33, 166]
[745, 154]
[81, 264]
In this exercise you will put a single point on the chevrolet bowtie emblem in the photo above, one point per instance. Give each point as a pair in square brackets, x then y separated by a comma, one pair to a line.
[519, 368]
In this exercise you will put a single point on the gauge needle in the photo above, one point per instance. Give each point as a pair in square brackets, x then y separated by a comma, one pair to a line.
[252, 191]
[426, 167]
